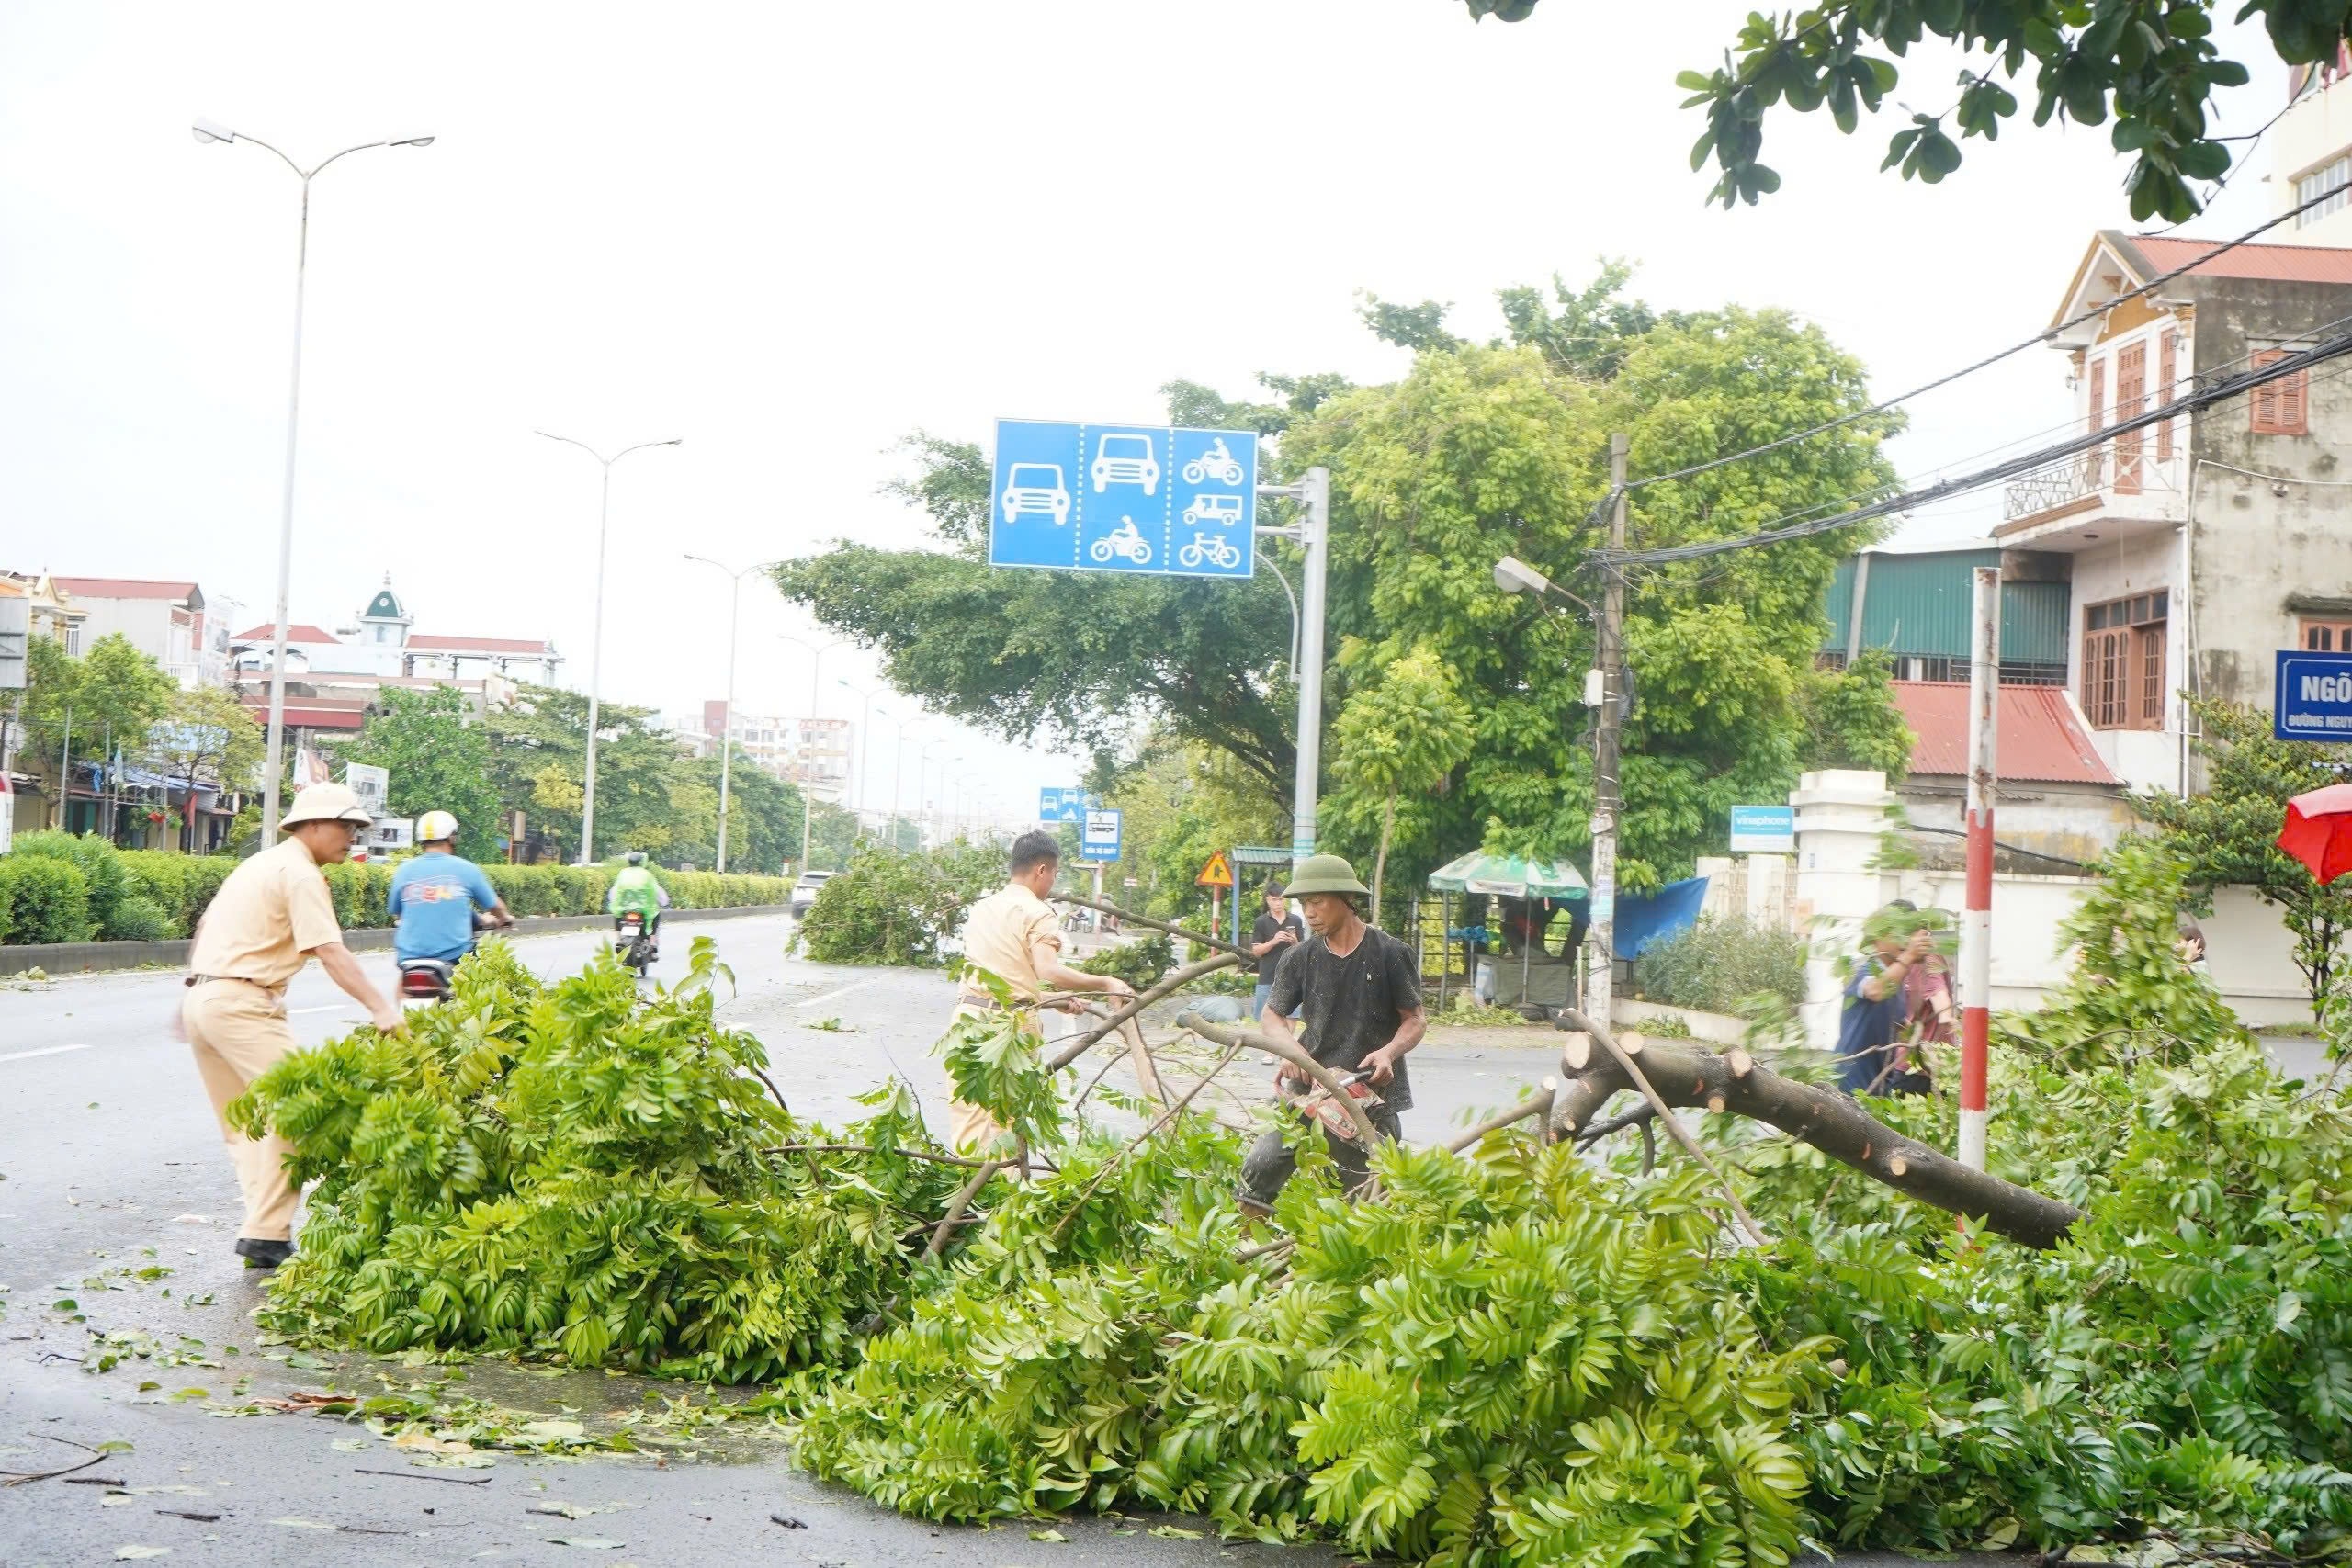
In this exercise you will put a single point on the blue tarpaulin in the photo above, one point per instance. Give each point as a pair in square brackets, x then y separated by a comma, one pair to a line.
[1654, 917]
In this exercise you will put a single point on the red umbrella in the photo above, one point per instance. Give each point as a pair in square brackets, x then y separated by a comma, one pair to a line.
[2319, 831]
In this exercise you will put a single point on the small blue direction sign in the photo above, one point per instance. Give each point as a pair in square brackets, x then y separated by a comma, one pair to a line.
[1100, 838]
[2313, 696]
[1124, 498]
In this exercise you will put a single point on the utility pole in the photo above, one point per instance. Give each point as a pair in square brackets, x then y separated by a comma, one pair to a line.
[1609, 656]
[1314, 495]
[1977, 924]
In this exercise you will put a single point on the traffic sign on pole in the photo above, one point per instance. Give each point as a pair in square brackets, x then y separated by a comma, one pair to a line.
[1153, 499]
[1103, 836]
[1218, 873]
[1066, 804]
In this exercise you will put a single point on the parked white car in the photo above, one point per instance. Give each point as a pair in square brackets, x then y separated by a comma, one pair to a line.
[804, 891]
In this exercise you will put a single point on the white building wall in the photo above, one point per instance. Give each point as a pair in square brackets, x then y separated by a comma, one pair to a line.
[2309, 136]
[2144, 759]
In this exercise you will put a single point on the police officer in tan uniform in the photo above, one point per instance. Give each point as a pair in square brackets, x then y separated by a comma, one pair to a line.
[1013, 934]
[271, 916]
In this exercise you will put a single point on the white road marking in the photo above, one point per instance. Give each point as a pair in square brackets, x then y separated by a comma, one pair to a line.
[836, 996]
[44, 1051]
[331, 1007]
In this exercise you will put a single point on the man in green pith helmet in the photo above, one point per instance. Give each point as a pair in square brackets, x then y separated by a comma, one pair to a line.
[1362, 996]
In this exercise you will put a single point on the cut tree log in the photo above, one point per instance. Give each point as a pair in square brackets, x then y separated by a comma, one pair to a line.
[1831, 1122]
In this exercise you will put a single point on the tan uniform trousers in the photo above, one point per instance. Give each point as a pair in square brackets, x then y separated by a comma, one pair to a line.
[970, 1128]
[238, 1030]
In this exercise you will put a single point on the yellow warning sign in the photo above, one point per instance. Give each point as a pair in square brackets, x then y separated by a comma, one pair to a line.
[1218, 873]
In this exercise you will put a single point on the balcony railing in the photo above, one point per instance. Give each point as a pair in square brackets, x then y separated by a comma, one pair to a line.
[2117, 467]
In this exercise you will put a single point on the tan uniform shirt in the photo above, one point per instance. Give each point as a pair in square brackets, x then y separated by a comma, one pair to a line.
[1000, 935]
[271, 911]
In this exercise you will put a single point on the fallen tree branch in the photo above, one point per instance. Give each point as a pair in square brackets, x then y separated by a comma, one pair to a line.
[1204, 937]
[957, 1204]
[869, 1149]
[1233, 1034]
[1828, 1120]
[1168, 983]
[1681, 1134]
[26, 1477]
[1538, 1105]
[1115, 1161]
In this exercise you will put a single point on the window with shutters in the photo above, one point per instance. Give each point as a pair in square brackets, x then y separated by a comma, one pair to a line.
[2131, 387]
[2168, 376]
[2123, 662]
[2328, 636]
[2099, 419]
[2280, 407]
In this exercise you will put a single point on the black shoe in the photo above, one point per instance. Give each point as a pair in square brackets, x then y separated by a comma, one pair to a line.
[264, 1254]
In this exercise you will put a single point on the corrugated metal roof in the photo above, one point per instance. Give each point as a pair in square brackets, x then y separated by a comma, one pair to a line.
[2274, 263]
[300, 631]
[124, 588]
[1919, 605]
[2040, 739]
[437, 644]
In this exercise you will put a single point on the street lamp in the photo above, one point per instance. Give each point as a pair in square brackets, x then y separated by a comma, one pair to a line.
[596, 635]
[205, 133]
[816, 663]
[923, 772]
[727, 727]
[899, 767]
[864, 742]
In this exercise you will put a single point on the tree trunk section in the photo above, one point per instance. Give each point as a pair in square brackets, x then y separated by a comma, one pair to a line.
[1380, 860]
[1837, 1125]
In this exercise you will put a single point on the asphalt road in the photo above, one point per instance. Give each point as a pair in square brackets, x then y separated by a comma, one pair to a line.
[111, 1167]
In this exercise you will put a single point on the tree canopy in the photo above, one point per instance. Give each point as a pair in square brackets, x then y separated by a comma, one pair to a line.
[1480, 450]
[2152, 66]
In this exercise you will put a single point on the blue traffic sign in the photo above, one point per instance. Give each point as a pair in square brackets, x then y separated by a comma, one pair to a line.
[2313, 698]
[1137, 498]
[1100, 838]
[1063, 805]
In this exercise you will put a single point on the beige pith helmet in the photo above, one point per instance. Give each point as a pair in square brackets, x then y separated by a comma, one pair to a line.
[1325, 873]
[325, 803]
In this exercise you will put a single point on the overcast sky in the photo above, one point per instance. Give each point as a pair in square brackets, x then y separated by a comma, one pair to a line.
[791, 235]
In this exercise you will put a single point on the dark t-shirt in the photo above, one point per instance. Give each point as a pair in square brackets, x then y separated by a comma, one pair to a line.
[1353, 1004]
[1264, 931]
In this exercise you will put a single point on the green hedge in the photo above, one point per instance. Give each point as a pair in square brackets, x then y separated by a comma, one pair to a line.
[43, 898]
[158, 893]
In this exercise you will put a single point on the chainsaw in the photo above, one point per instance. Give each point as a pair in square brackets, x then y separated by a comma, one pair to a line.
[1319, 1104]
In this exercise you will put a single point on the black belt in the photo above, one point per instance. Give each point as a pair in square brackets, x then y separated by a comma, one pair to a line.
[239, 980]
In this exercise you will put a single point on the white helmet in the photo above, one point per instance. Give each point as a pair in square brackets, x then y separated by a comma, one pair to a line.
[435, 825]
[325, 803]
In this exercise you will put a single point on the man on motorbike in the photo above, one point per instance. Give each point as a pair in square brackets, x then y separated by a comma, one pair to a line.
[436, 892]
[637, 890]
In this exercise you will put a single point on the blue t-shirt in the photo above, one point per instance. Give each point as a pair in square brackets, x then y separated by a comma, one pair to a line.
[433, 898]
[1866, 1029]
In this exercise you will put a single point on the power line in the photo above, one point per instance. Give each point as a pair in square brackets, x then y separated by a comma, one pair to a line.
[1842, 421]
[2259, 376]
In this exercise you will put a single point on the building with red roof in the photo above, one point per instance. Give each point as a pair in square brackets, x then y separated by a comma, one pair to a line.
[2194, 546]
[2057, 796]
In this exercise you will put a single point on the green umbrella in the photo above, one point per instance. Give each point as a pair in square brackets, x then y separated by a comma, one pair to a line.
[1510, 876]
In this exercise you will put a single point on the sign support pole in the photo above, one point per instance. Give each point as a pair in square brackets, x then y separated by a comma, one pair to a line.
[1977, 924]
[1315, 496]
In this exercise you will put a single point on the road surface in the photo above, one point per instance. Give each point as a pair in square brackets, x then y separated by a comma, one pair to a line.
[110, 1164]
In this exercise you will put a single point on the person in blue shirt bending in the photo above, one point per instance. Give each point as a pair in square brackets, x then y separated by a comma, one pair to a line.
[434, 893]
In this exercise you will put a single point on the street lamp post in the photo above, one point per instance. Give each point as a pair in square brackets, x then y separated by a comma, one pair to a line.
[865, 740]
[727, 727]
[923, 811]
[897, 768]
[597, 632]
[205, 133]
[816, 663]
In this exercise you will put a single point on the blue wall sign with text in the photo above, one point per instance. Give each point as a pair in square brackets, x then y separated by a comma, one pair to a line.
[1763, 829]
[2313, 698]
[1139, 498]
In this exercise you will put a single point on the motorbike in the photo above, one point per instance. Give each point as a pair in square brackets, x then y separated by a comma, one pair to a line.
[425, 981]
[1221, 553]
[633, 944]
[1123, 541]
[1215, 465]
